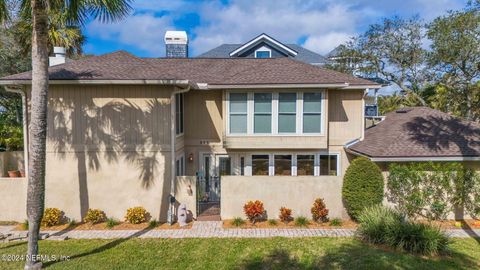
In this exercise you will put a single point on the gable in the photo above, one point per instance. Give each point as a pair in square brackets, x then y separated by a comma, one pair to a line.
[263, 45]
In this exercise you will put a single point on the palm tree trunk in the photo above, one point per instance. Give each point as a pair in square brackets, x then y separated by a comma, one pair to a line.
[38, 130]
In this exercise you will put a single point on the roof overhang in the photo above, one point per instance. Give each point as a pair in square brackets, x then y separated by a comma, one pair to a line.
[264, 37]
[277, 86]
[409, 159]
[93, 82]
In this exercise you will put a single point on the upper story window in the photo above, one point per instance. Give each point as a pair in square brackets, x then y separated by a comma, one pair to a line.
[277, 113]
[179, 114]
[312, 112]
[263, 52]
[262, 113]
[238, 112]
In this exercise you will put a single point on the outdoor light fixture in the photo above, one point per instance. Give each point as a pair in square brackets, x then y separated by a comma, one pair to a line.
[190, 157]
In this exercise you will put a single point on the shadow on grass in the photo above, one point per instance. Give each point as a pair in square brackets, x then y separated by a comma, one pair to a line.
[471, 232]
[102, 248]
[357, 256]
[12, 245]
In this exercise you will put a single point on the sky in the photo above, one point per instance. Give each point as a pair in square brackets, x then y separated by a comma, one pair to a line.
[317, 25]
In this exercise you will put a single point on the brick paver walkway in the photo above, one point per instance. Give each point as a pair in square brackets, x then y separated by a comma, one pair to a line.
[214, 229]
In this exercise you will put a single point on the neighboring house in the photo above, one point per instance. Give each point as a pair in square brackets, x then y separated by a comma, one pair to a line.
[264, 46]
[125, 131]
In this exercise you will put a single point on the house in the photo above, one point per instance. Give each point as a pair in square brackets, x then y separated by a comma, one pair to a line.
[264, 46]
[211, 133]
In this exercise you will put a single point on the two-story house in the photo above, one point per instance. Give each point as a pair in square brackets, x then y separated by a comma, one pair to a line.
[211, 133]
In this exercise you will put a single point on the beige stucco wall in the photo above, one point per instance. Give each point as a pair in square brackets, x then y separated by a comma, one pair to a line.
[295, 192]
[13, 199]
[185, 193]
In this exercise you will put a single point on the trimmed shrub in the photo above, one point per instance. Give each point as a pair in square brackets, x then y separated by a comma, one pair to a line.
[52, 217]
[95, 216]
[238, 221]
[301, 221]
[383, 225]
[336, 222]
[319, 211]
[254, 210]
[285, 214]
[137, 215]
[112, 222]
[362, 186]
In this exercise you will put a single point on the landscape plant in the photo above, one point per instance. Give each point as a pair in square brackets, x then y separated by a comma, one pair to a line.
[362, 186]
[95, 216]
[254, 210]
[238, 221]
[52, 217]
[386, 226]
[319, 211]
[336, 222]
[301, 221]
[136, 215]
[272, 222]
[285, 215]
[112, 222]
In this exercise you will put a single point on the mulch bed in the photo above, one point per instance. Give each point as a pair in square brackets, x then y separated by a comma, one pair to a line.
[346, 224]
[103, 226]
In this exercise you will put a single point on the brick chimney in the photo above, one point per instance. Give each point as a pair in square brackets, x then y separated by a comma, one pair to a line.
[176, 44]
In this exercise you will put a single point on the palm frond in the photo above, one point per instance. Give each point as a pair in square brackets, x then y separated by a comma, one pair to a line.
[4, 12]
[104, 10]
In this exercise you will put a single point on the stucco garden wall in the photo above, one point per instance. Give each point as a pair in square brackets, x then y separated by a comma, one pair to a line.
[295, 192]
[11, 161]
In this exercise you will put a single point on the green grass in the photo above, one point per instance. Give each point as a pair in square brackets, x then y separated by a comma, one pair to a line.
[270, 253]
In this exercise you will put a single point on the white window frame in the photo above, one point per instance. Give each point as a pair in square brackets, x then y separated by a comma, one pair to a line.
[275, 110]
[271, 162]
[180, 170]
[182, 118]
[263, 49]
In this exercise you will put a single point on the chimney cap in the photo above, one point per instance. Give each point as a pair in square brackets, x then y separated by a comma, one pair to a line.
[176, 37]
[59, 50]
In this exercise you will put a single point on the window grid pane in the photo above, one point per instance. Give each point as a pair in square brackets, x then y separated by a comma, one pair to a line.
[305, 165]
[238, 113]
[287, 110]
[262, 120]
[312, 109]
[283, 165]
[259, 164]
[328, 165]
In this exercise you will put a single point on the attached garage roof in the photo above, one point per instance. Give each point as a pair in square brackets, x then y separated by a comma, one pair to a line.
[420, 133]
[212, 71]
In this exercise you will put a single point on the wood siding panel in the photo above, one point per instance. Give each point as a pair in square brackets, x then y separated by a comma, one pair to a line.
[345, 116]
[203, 117]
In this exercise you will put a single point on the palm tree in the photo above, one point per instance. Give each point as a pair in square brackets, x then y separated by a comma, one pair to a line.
[77, 11]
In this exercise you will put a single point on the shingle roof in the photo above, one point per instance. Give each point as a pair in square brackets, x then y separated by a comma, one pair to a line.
[230, 71]
[420, 132]
[304, 55]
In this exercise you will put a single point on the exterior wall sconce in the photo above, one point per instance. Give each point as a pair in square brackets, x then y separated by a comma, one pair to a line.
[190, 157]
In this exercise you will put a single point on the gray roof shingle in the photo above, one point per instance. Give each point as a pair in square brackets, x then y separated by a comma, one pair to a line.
[226, 71]
[420, 132]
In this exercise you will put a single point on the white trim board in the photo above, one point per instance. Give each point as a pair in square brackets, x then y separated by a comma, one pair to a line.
[256, 40]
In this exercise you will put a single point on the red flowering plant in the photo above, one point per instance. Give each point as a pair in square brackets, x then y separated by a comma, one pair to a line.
[254, 210]
[285, 215]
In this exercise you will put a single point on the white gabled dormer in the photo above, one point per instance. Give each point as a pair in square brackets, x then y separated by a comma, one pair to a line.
[266, 39]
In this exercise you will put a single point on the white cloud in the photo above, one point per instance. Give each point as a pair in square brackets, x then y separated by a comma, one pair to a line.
[323, 44]
[144, 31]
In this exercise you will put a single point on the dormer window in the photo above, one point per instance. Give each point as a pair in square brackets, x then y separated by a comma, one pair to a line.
[263, 52]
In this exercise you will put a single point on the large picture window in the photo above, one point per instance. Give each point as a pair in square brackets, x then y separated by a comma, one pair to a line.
[179, 114]
[260, 164]
[262, 120]
[287, 112]
[283, 164]
[312, 111]
[238, 113]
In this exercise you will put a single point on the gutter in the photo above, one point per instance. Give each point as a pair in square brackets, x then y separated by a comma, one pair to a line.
[22, 92]
[204, 86]
[124, 82]
[172, 148]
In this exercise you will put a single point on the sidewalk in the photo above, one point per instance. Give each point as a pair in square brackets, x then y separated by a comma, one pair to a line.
[206, 229]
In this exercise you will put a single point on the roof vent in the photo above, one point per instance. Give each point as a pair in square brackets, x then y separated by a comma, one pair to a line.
[176, 43]
[403, 110]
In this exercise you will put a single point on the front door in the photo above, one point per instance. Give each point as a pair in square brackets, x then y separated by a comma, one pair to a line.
[212, 167]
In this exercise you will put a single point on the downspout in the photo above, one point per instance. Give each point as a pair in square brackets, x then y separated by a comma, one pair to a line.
[173, 137]
[22, 92]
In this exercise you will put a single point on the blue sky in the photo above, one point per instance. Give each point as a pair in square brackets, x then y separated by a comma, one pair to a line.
[316, 25]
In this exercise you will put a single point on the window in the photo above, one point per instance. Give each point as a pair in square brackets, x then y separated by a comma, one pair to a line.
[179, 114]
[312, 110]
[287, 112]
[328, 164]
[283, 165]
[180, 166]
[263, 53]
[242, 166]
[238, 113]
[262, 119]
[305, 164]
[224, 166]
[260, 164]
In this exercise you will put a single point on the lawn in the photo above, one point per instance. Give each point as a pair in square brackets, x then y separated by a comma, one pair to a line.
[273, 253]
